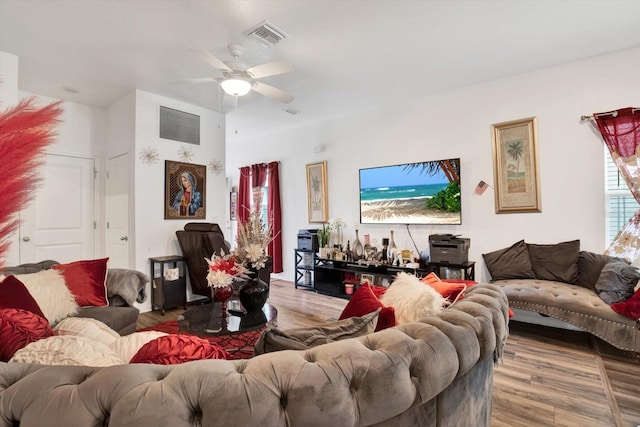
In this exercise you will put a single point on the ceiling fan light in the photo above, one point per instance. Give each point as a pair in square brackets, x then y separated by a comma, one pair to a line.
[235, 87]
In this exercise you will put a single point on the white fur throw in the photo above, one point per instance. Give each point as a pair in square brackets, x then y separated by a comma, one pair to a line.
[50, 291]
[411, 299]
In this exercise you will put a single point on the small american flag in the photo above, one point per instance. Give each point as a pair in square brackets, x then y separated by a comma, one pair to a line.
[481, 187]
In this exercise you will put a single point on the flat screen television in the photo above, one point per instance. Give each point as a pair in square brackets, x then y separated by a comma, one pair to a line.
[411, 193]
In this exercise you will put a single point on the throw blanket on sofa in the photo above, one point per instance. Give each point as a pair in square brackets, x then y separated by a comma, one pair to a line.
[126, 284]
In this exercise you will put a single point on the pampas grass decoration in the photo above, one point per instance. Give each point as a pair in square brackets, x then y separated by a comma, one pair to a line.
[25, 131]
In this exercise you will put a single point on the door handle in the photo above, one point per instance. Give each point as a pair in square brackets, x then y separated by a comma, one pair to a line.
[124, 238]
[26, 238]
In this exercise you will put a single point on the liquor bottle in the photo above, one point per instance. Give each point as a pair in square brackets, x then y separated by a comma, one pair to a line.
[358, 249]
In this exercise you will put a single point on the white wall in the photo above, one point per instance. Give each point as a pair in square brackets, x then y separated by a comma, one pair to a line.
[8, 98]
[457, 124]
[155, 236]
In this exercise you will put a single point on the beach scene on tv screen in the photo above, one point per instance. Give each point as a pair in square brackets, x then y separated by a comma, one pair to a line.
[412, 193]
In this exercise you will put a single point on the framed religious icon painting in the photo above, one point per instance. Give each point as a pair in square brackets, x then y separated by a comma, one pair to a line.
[317, 203]
[184, 190]
[515, 166]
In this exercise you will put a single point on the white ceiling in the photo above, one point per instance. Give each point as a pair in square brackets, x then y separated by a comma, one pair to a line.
[347, 55]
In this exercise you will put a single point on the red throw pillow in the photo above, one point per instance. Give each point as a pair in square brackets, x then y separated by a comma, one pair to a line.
[629, 307]
[364, 301]
[175, 349]
[14, 294]
[452, 290]
[19, 328]
[87, 281]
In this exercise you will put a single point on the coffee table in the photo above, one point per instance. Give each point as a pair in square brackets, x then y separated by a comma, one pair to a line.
[236, 333]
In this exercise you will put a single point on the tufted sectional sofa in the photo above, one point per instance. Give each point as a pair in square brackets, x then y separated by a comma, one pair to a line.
[436, 372]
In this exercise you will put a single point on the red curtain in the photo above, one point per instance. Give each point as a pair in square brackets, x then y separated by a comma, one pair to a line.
[244, 194]
[252, 180]
[275, 216]
[621, 133]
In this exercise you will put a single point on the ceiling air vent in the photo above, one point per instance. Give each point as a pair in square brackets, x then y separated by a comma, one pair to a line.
[266, 34]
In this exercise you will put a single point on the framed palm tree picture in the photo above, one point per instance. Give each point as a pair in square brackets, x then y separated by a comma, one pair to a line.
[515, 166]
[317, 201]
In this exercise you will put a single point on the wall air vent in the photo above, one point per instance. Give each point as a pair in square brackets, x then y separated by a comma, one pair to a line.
[266, 34]
[179, 126]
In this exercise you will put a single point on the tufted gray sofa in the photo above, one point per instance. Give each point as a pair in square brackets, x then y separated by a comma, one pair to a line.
[575, 305]
[436, 372]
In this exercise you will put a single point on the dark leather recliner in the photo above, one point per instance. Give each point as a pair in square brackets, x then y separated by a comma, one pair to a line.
[199, 240]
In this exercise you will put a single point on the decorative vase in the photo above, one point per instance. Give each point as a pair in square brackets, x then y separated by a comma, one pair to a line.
[253, 294]
[324, 252]
[392, 250]
[223, 294]
[358, 249]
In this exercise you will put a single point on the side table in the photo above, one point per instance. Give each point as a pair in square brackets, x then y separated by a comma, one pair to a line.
[166, 293]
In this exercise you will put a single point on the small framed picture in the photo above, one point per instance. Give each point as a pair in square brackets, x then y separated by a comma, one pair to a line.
[366, 278]
[317, 200]
[515, 164]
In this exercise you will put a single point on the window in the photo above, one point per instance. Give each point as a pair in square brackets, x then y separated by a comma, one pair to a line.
[618, 199]
[260, 197]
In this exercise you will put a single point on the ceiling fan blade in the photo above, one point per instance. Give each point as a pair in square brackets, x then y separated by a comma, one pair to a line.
[211, 60]
[196, 80]
[270, 69]
[272, 92]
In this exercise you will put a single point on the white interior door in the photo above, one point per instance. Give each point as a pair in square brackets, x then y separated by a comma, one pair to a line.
[118, 211]
[59, 223]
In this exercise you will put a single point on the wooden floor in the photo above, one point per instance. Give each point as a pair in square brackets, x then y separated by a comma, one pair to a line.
[548, 377]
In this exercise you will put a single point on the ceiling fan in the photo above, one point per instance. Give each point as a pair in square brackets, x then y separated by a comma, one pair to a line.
[239, 78]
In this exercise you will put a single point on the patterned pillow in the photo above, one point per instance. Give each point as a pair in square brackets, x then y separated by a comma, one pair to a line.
[13, 294]
[49, 290]
[86, 280]
[18, 328]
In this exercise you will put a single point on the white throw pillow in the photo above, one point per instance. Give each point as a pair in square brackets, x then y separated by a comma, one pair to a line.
[50, 291]
[67, 350]
[411, 299]
[127, 346]
[88, 328]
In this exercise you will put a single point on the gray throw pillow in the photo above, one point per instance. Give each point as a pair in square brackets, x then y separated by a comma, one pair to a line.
[616, 281]
[509, 263]
[557, 262]
[590, 266]
[306, 338]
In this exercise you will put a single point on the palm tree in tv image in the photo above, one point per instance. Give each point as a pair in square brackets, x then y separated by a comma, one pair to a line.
[448, 199]
[515, 178]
